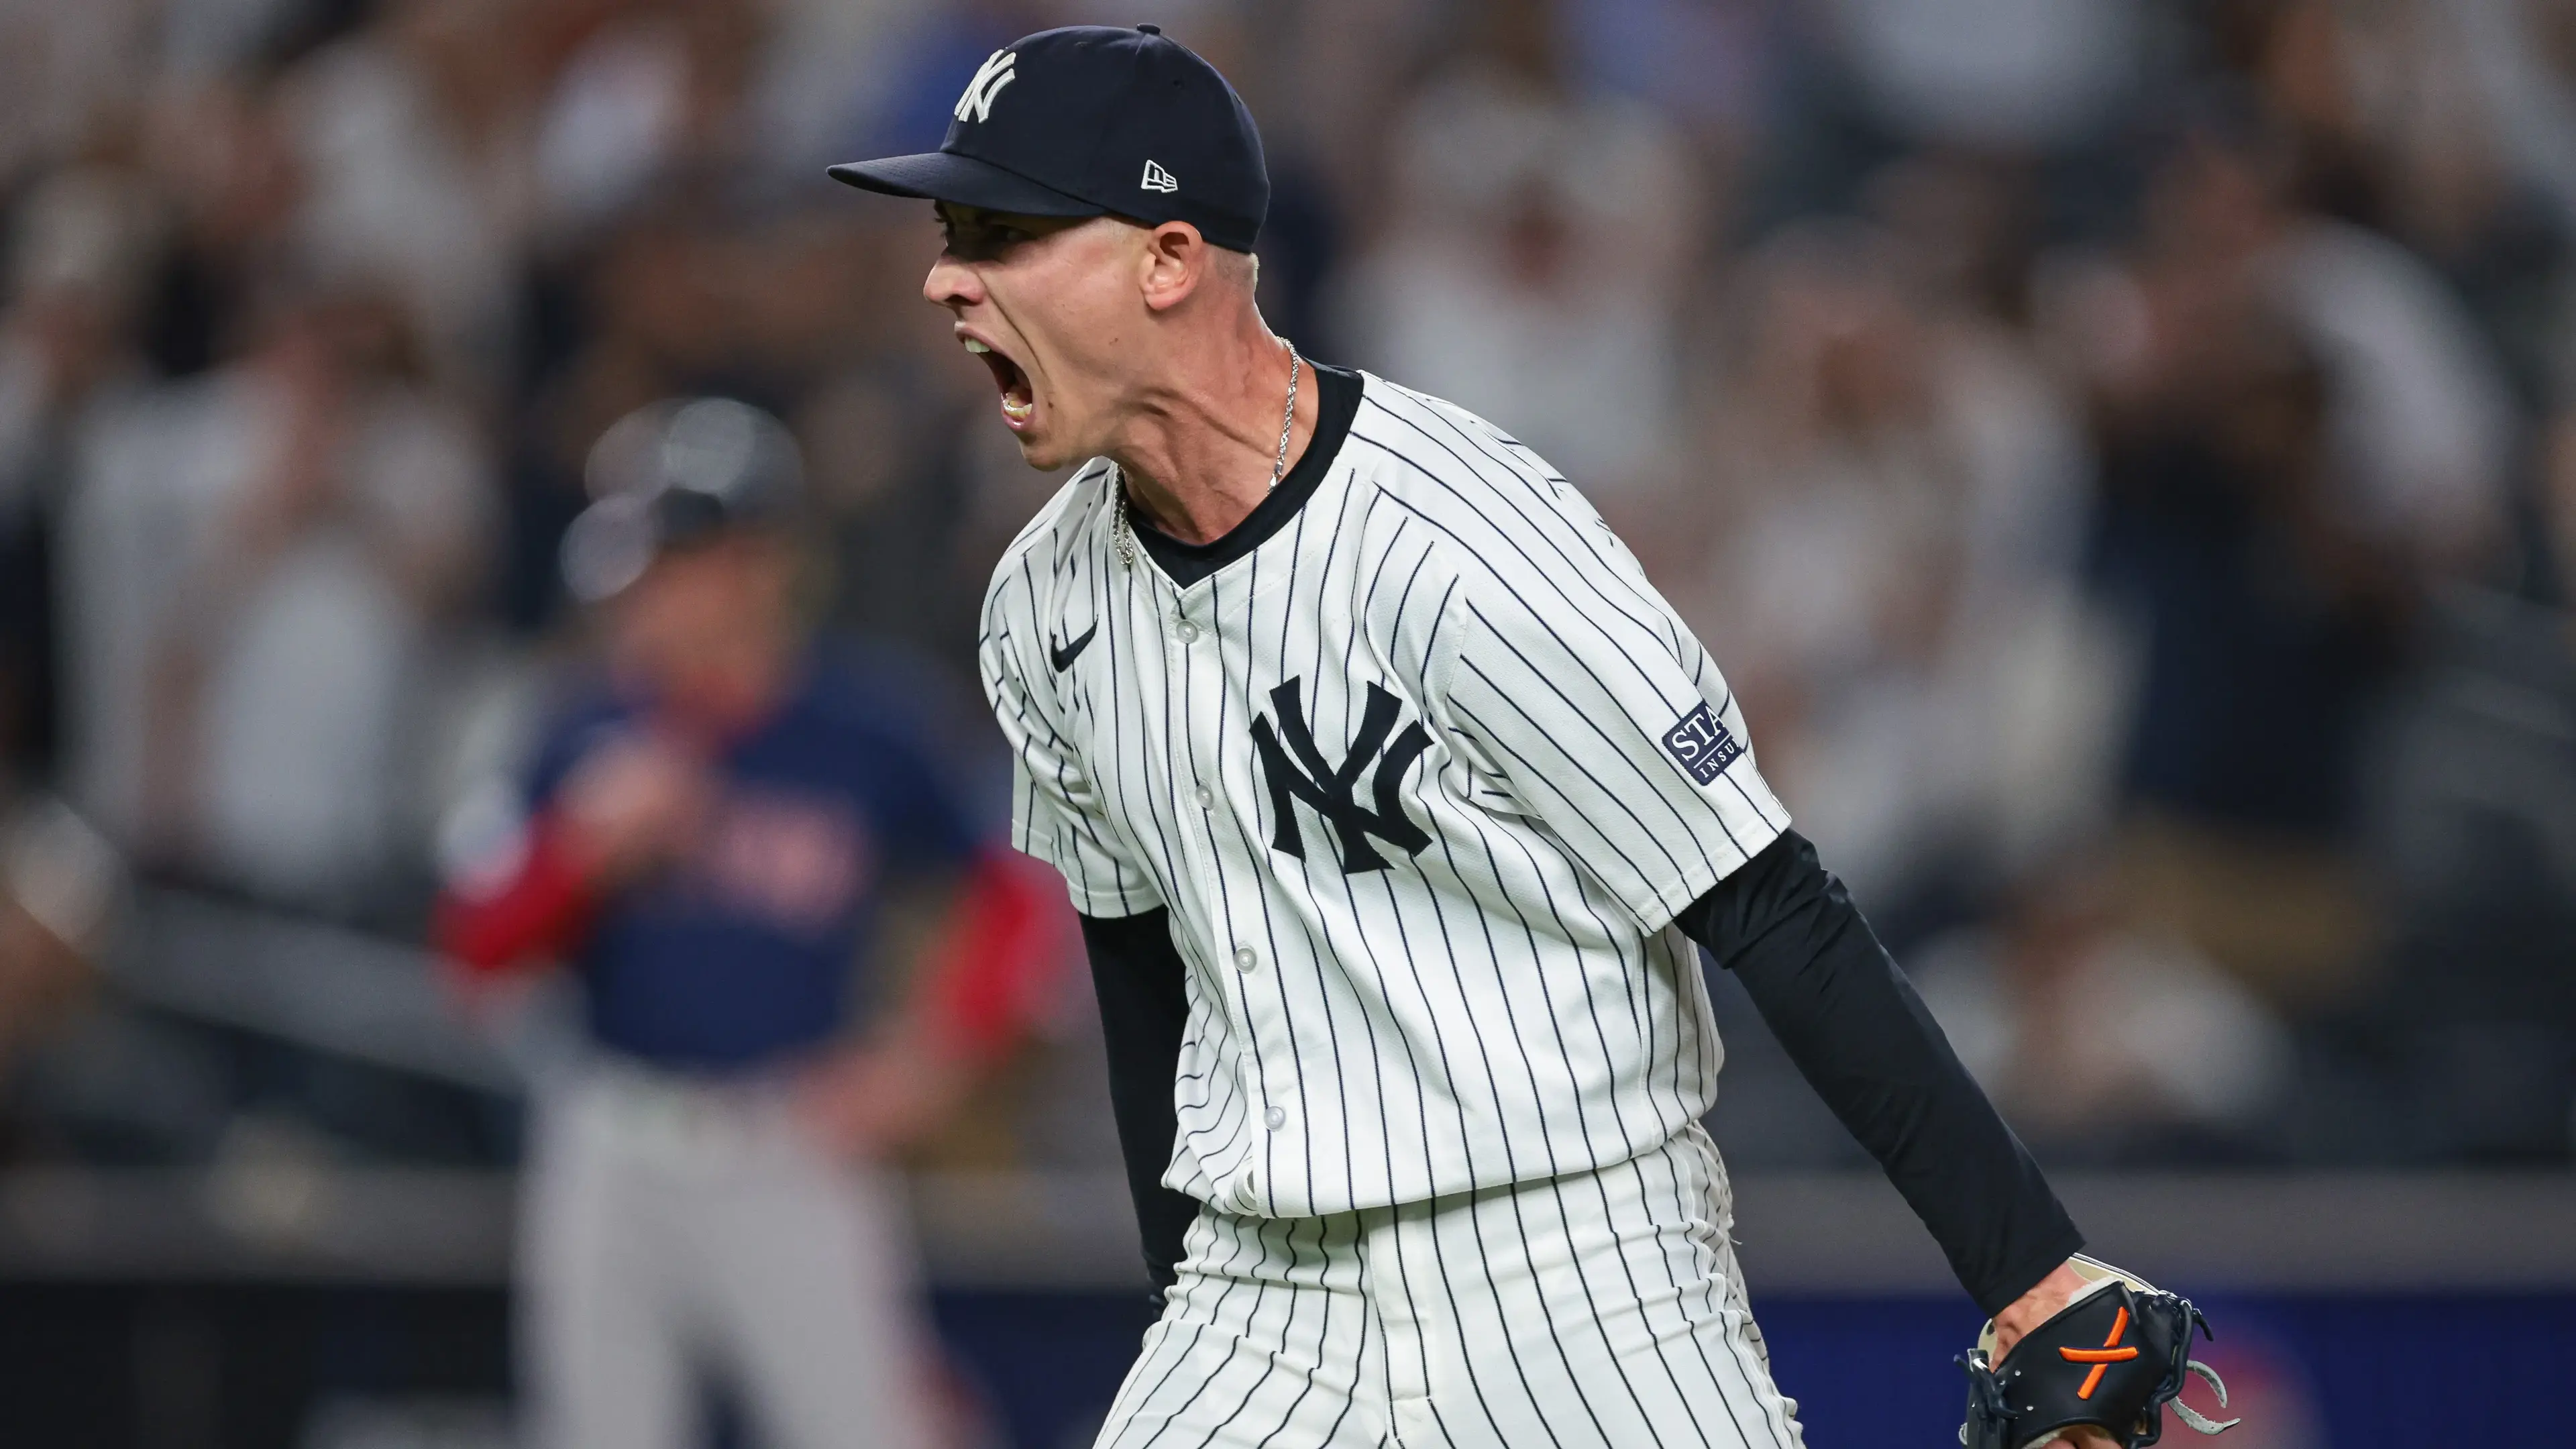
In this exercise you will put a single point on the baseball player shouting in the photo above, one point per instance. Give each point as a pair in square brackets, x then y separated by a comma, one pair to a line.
[1393, 800]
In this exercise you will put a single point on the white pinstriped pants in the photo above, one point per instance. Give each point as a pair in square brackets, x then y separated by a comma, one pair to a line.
[1599, 1308]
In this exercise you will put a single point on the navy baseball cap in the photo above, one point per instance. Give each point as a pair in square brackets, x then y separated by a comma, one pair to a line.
[1092, 120]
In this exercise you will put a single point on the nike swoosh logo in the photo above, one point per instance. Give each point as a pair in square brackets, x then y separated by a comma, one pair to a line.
[1063, 655]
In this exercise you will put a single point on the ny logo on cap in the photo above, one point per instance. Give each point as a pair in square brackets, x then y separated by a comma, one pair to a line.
[996, 72]
[1158, 179]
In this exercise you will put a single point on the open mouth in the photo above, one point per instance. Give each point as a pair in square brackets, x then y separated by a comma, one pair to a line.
[1019, 399]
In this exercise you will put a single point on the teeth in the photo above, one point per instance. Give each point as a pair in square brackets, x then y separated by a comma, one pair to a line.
[1019, 412]
[976, 347]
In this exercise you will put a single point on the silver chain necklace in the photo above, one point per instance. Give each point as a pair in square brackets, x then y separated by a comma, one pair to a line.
[1124, 533]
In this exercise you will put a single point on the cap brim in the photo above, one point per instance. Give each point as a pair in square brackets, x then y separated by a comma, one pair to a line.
[946, 176]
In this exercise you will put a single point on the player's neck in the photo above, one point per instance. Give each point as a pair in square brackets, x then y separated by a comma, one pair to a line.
[1199, 449]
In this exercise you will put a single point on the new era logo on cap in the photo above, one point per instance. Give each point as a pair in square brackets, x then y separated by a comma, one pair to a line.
[996, 72]
[1158, 179]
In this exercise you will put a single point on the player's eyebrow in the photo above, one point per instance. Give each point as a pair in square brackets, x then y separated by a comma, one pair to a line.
[977, 234]
[974, 234]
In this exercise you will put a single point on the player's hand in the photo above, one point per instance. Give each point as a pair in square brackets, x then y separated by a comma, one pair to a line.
[2031, 1310]
[870, 1101]
[634, 805]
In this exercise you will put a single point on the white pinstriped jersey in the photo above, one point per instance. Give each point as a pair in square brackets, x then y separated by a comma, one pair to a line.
[1423, 779]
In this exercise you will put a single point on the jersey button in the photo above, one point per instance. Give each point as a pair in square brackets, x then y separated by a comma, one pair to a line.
[1206, 798]
[1275, 1118]
[1186, 632]
[1246, 959]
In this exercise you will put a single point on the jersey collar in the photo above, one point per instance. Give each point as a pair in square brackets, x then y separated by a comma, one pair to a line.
[1337, 398]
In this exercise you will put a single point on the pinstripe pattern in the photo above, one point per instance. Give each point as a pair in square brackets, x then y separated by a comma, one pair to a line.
[1446, 1052]
[1599, 1308]
[1510, 1001]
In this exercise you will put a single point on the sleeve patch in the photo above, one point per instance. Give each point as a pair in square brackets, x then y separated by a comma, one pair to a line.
[1702, 745]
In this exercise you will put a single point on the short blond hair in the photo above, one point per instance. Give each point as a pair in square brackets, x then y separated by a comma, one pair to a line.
[1239, 267]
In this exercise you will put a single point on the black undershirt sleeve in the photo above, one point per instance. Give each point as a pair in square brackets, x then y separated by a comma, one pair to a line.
[1144, 1008]
[1861, 1037]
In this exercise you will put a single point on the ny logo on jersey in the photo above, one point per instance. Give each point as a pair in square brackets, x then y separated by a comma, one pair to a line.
[1296, 771]
[996, 72]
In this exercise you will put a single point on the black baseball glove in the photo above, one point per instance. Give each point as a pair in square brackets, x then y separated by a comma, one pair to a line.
[2114, 1358]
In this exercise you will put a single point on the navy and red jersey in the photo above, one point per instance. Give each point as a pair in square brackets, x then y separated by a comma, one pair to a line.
[745, 952]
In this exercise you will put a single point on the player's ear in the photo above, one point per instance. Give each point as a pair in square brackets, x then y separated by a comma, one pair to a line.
[1175, 261]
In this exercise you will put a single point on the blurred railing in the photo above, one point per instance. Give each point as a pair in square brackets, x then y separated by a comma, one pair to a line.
[325, 988]
[344, 993]
[1801, 1234]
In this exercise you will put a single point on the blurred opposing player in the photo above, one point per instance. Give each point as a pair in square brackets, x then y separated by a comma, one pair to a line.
[705, 842]
[1394, 799]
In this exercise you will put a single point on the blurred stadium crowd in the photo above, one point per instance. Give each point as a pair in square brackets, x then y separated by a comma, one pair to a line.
[2124, 451]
